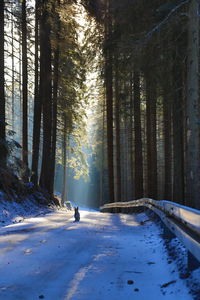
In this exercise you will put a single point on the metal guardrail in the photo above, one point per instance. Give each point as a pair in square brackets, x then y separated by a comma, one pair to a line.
[183, 221]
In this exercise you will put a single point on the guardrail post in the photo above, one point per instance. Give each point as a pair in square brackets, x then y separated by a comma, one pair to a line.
[193, 263]
[116, 210]
[123, 210]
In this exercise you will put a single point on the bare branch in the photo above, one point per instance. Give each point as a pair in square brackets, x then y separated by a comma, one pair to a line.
[158, 26]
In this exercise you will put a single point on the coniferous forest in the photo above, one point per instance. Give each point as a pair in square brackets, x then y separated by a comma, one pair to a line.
[100, 91]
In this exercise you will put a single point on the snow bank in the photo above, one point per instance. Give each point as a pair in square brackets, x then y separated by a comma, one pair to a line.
[14, 212]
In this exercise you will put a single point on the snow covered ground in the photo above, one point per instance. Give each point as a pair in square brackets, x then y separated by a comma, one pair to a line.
[102, 257]
[13, 212]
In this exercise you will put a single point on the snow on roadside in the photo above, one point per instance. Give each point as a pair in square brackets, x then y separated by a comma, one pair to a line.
[15, 212]
[12, 212]
[179, 255]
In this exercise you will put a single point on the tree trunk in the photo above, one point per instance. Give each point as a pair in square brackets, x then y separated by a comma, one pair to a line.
[103, 185]
[178, 152]
[24, 93]
[13, 70]
[125, 158]
[37, 102]
[3, 152]
[192, 110]
[45, 52]
[132, 139]
[123, 161]
[151, 137]
[167, 143]
[117, 118]
[55, 98]
[138, 138]
[109, 104]
[64, 162]
[54, 118]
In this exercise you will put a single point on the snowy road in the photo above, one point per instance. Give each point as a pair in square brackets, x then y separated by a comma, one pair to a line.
[104, 257]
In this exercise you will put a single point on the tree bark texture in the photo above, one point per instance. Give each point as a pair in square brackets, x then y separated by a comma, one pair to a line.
[118, 146]
[151, 137]
[64, 162]
[37, 102]
[46, 94]
[138, 138]
[109, 103]
[167, 115]
[3, 151]
[178, 133]
[55, 98]
[24, 92]
[192, 107]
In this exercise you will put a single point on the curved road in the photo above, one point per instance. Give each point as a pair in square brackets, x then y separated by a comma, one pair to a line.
[103, 257]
